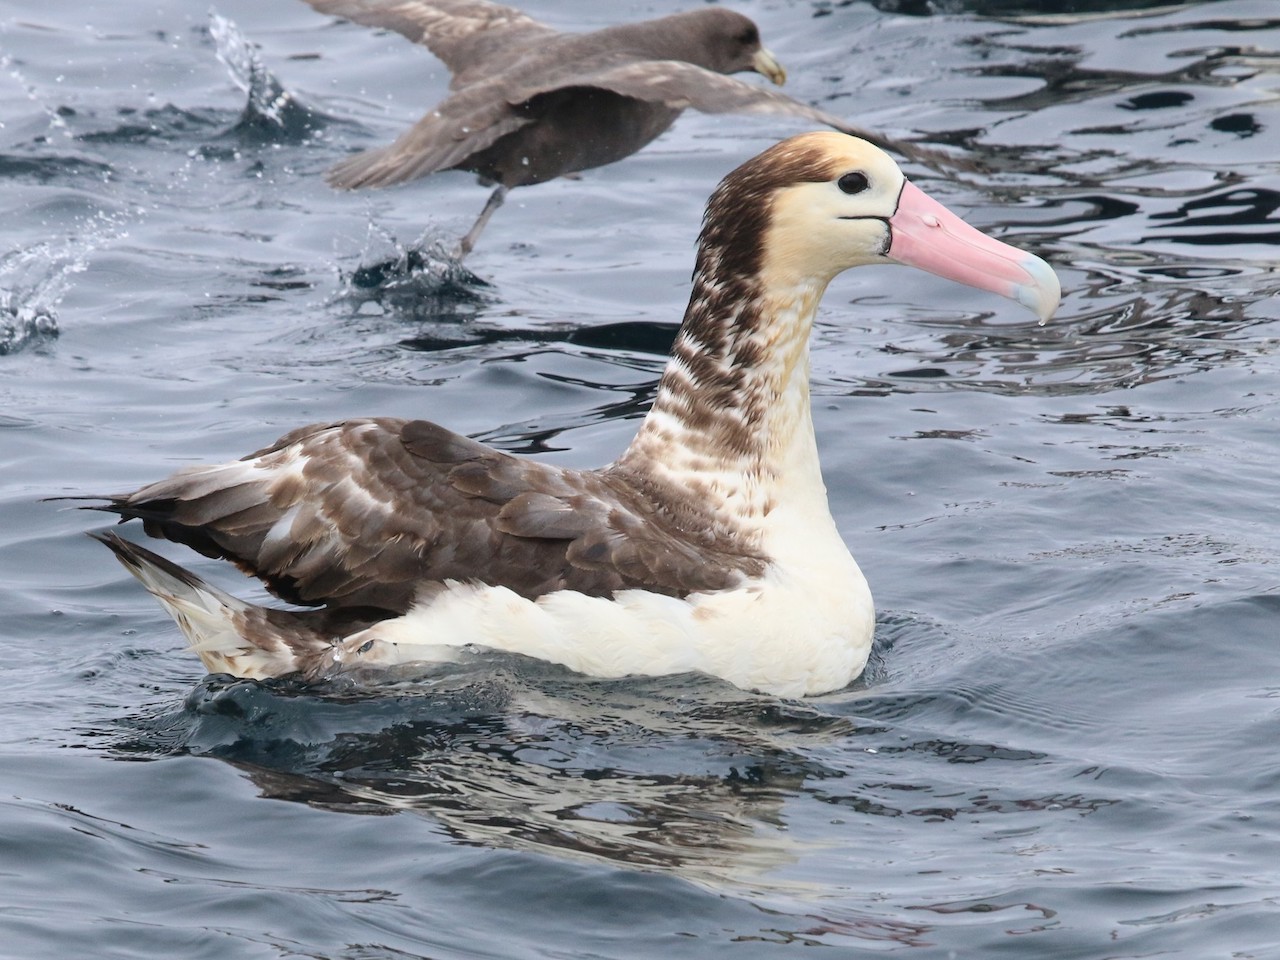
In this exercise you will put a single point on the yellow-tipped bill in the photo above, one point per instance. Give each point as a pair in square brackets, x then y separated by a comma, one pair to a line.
[766, 63]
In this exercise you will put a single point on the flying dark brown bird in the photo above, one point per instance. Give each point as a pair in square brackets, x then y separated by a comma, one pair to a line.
[528, 103]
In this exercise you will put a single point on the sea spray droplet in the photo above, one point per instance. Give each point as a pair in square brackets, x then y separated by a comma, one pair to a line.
[56, 120]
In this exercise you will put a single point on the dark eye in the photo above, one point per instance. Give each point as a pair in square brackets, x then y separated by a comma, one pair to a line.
[366, 646]
[853, 182]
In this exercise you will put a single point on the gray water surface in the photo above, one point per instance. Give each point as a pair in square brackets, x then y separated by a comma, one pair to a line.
[1066, 743]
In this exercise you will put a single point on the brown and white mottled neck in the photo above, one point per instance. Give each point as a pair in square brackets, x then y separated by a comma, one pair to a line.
[733, 401]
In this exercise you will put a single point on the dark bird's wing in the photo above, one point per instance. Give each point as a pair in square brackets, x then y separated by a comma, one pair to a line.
[372, 513]
[461, 126]
[473, 38]
[682, 85]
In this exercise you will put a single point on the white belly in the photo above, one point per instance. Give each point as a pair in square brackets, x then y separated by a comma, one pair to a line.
[798, 630]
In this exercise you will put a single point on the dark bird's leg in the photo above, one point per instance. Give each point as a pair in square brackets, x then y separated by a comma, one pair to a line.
[494, 202]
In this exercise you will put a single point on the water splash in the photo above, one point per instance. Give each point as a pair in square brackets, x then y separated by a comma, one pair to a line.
[270, 109]
[22, 323]
[34, 279]
[419, 280]
[32, 282]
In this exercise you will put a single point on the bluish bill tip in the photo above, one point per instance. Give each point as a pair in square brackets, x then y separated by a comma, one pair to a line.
[1042, 294]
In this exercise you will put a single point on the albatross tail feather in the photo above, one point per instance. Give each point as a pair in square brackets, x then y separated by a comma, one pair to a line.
[228, 634]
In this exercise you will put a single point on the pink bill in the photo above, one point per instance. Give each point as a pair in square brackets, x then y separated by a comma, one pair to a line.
[925, 234]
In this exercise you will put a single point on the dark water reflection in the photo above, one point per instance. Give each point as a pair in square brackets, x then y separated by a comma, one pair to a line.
[1064, 745]
[684, 776]
[627, 774]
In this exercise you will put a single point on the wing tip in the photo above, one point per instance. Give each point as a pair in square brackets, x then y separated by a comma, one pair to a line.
[380, 167]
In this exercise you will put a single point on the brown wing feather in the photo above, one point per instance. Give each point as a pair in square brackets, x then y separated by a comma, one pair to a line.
[370, 512]
[459, 127]
[464, 34]
[682, 85]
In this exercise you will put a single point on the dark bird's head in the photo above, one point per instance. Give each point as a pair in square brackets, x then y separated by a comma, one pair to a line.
[721, 40]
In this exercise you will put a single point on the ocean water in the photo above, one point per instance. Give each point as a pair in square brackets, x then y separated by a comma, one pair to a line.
[1066, 744]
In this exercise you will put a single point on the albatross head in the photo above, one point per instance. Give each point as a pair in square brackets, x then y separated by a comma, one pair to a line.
[817, 204]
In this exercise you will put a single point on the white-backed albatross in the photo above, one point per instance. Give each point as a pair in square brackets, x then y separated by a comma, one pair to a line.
[707, 546]
[528, 104]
